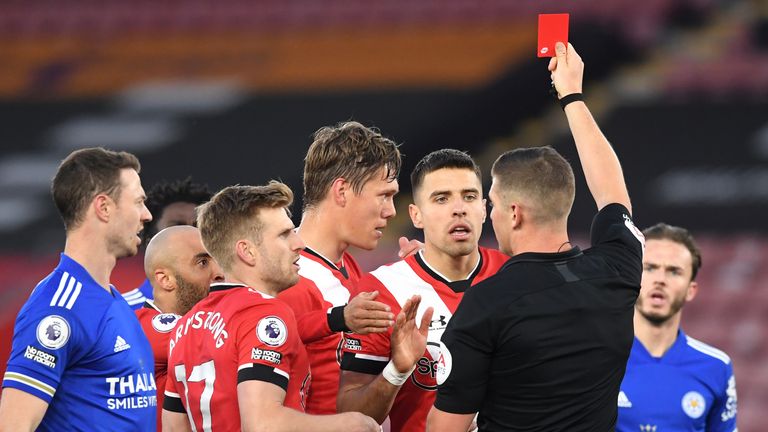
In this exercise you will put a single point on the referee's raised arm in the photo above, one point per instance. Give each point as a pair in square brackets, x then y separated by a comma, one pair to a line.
[600, 163]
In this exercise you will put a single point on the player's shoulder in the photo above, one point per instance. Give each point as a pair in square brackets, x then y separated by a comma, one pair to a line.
[705, 353]
[69, 293]
[153, 320]
[493, 259]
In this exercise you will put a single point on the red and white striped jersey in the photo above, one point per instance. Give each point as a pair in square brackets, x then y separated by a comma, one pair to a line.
[317, 300]
[397, 283]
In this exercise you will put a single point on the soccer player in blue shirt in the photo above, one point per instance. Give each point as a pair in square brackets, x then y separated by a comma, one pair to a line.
[79, 358]
[673, 382]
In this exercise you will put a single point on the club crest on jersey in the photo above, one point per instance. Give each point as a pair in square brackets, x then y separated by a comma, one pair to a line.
[53, 332]
[164, 322]
[694, 404]
[444, 364]
[272, 331]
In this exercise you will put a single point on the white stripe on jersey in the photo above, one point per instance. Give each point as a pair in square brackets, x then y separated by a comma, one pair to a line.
[64, 297]
[371, 357]
[72, 299]
[70, 295]
[132, 294]
[137, 300]
[282, 372]
[330, 287]
[708, 349]
[62, 282]
[172, 394]
[400, 280]
[29, 381]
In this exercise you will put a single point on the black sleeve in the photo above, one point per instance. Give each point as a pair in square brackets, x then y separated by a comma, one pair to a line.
[260, 372]
[336, 319]
[466, 351]
[615, 236]
[172, 402]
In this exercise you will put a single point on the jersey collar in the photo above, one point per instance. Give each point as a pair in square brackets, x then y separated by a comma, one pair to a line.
[543, 257]
[338, 267]
[76, 270]
[457, 285]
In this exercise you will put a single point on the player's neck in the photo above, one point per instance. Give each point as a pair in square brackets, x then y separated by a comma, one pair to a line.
[321, 234]
[542, 239]
[246, 276]
[656, 338]
[93, 256]
[452, 268]
[166, 304]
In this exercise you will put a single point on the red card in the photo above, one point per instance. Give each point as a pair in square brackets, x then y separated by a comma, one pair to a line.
[552, 28]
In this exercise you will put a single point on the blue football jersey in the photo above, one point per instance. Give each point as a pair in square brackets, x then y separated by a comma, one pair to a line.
[690, 388]
[82, 350]
[137, 296]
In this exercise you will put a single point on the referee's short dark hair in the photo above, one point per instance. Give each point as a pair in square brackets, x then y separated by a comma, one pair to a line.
[539, 176]
[662, 231]
[84, 174]
[440, 159]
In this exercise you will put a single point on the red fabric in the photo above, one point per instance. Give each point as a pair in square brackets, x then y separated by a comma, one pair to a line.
[321, 287]
[226, 328]
[159, 341]
[417, 395]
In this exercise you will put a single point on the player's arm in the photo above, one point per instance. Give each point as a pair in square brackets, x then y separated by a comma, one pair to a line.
[20, 411]
[722, 415]
[600, 163]
[261, 409]
[442, 421]
[318, 318]
[373, 395]
[175, 422]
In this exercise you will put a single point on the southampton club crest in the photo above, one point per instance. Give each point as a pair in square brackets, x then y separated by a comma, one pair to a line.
[272, 331]
[53, 332]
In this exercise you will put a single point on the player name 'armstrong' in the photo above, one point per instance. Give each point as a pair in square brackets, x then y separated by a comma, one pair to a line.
[211, 321]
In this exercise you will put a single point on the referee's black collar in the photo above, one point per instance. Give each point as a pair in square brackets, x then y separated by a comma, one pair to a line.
[543, 257]
[223, 286]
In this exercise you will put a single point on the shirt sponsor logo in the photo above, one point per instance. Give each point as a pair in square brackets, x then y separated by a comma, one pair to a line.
[694, 404]
[121, 344]
[40, 356]
[444, 364]
[272, 331]
[352, 344]
[164, 322]
[125, 389]
[425, 374]
[624, 401]
[266, 355]
[53, 332]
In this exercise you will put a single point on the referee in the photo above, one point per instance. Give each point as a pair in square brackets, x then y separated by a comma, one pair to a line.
[543, 344]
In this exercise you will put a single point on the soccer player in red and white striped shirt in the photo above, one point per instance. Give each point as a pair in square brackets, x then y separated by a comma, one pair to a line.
[386, 374]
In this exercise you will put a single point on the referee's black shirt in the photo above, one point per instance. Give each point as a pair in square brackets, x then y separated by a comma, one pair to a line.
[543, 344]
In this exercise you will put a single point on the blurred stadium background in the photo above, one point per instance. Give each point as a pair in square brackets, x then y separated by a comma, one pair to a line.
[230, 92]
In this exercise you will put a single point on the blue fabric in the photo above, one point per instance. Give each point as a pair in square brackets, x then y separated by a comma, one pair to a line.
[690, 388]
[82, 350]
